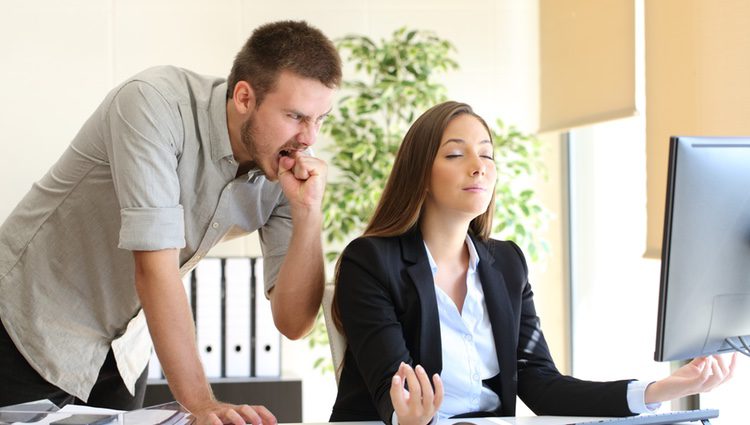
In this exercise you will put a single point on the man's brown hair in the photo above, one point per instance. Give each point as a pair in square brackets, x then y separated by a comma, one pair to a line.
[284, 46]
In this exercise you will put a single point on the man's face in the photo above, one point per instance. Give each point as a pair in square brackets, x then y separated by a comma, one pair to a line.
[287, 120]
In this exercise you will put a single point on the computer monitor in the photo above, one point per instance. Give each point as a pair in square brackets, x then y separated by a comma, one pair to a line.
[704, 299]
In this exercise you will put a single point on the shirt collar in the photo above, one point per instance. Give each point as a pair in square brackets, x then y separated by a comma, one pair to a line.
[221, 147]
[254, 174]
[473, 256]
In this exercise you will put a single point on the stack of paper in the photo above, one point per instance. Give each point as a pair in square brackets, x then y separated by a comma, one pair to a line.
[44, 412]
[164, 414]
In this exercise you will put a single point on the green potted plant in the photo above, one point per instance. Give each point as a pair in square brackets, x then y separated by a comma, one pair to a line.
[398, 80]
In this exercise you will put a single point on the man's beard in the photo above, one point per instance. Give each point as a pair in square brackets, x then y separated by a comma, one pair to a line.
[247, 134]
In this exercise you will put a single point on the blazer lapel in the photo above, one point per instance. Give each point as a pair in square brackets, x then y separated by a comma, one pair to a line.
[418, 269]
[501, 316]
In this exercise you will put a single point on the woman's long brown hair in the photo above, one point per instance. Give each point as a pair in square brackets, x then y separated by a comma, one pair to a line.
[400, 206]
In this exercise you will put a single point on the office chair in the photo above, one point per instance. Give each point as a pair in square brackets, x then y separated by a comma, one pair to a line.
[336, 340]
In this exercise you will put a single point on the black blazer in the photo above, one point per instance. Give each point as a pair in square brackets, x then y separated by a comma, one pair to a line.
[386, 297]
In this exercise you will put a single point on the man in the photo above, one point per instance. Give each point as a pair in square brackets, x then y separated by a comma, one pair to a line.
[170, 164]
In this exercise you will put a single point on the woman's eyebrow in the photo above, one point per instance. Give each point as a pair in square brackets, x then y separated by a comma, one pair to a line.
[462, 141]
[454, 140]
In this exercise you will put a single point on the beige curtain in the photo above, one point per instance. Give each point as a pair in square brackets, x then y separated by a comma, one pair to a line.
[587, 60]
[697, 83]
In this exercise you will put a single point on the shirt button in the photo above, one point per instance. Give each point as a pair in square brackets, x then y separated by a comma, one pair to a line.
[475, 376]
[467, 337]
[231, 161]
[215, 225]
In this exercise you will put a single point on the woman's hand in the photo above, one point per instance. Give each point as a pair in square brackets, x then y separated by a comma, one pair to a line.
[700, 375]
[419, 404]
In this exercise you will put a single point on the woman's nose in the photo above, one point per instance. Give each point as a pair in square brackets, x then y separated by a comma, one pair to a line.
[478, 167]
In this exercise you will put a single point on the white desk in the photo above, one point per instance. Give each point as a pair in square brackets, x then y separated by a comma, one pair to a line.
[525, 420]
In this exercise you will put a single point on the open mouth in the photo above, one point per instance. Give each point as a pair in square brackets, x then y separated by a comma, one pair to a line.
[287, 152]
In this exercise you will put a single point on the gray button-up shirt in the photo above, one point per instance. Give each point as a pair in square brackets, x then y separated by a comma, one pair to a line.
[151, 169]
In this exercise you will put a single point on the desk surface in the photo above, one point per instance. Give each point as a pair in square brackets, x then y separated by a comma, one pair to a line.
[523, 420]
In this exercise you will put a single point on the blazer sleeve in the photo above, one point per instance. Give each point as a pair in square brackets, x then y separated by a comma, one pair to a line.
[368, 314]
[542, 387]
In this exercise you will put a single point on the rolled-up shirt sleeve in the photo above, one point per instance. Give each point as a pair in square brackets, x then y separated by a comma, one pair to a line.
[152, 229]
[146, 144]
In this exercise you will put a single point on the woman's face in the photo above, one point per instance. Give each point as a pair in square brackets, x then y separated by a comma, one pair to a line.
[463, 174]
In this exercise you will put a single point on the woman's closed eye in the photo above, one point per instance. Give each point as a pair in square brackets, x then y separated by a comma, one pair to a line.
[458, 155]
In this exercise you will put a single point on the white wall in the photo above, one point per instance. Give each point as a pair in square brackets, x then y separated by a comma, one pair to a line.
[59, 59]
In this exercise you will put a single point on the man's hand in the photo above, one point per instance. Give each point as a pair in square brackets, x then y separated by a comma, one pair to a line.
[218, 413]
[419, 404]
[700, 375]
[303, 180]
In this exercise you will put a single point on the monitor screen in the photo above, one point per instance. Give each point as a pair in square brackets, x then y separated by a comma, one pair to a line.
[704, 296]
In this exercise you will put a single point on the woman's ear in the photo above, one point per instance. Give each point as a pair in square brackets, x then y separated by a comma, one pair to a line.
[243, 97]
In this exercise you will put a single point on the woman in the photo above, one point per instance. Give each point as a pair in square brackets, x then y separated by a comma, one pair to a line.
[426, 293]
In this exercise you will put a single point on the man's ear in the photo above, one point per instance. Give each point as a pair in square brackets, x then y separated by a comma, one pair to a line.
[243, 97]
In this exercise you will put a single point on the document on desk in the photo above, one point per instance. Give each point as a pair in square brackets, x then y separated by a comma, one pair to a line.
[171, 413]
[154, 417]
[68, 415]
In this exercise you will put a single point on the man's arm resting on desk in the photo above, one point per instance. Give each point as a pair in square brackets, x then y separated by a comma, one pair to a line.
[170, 322]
